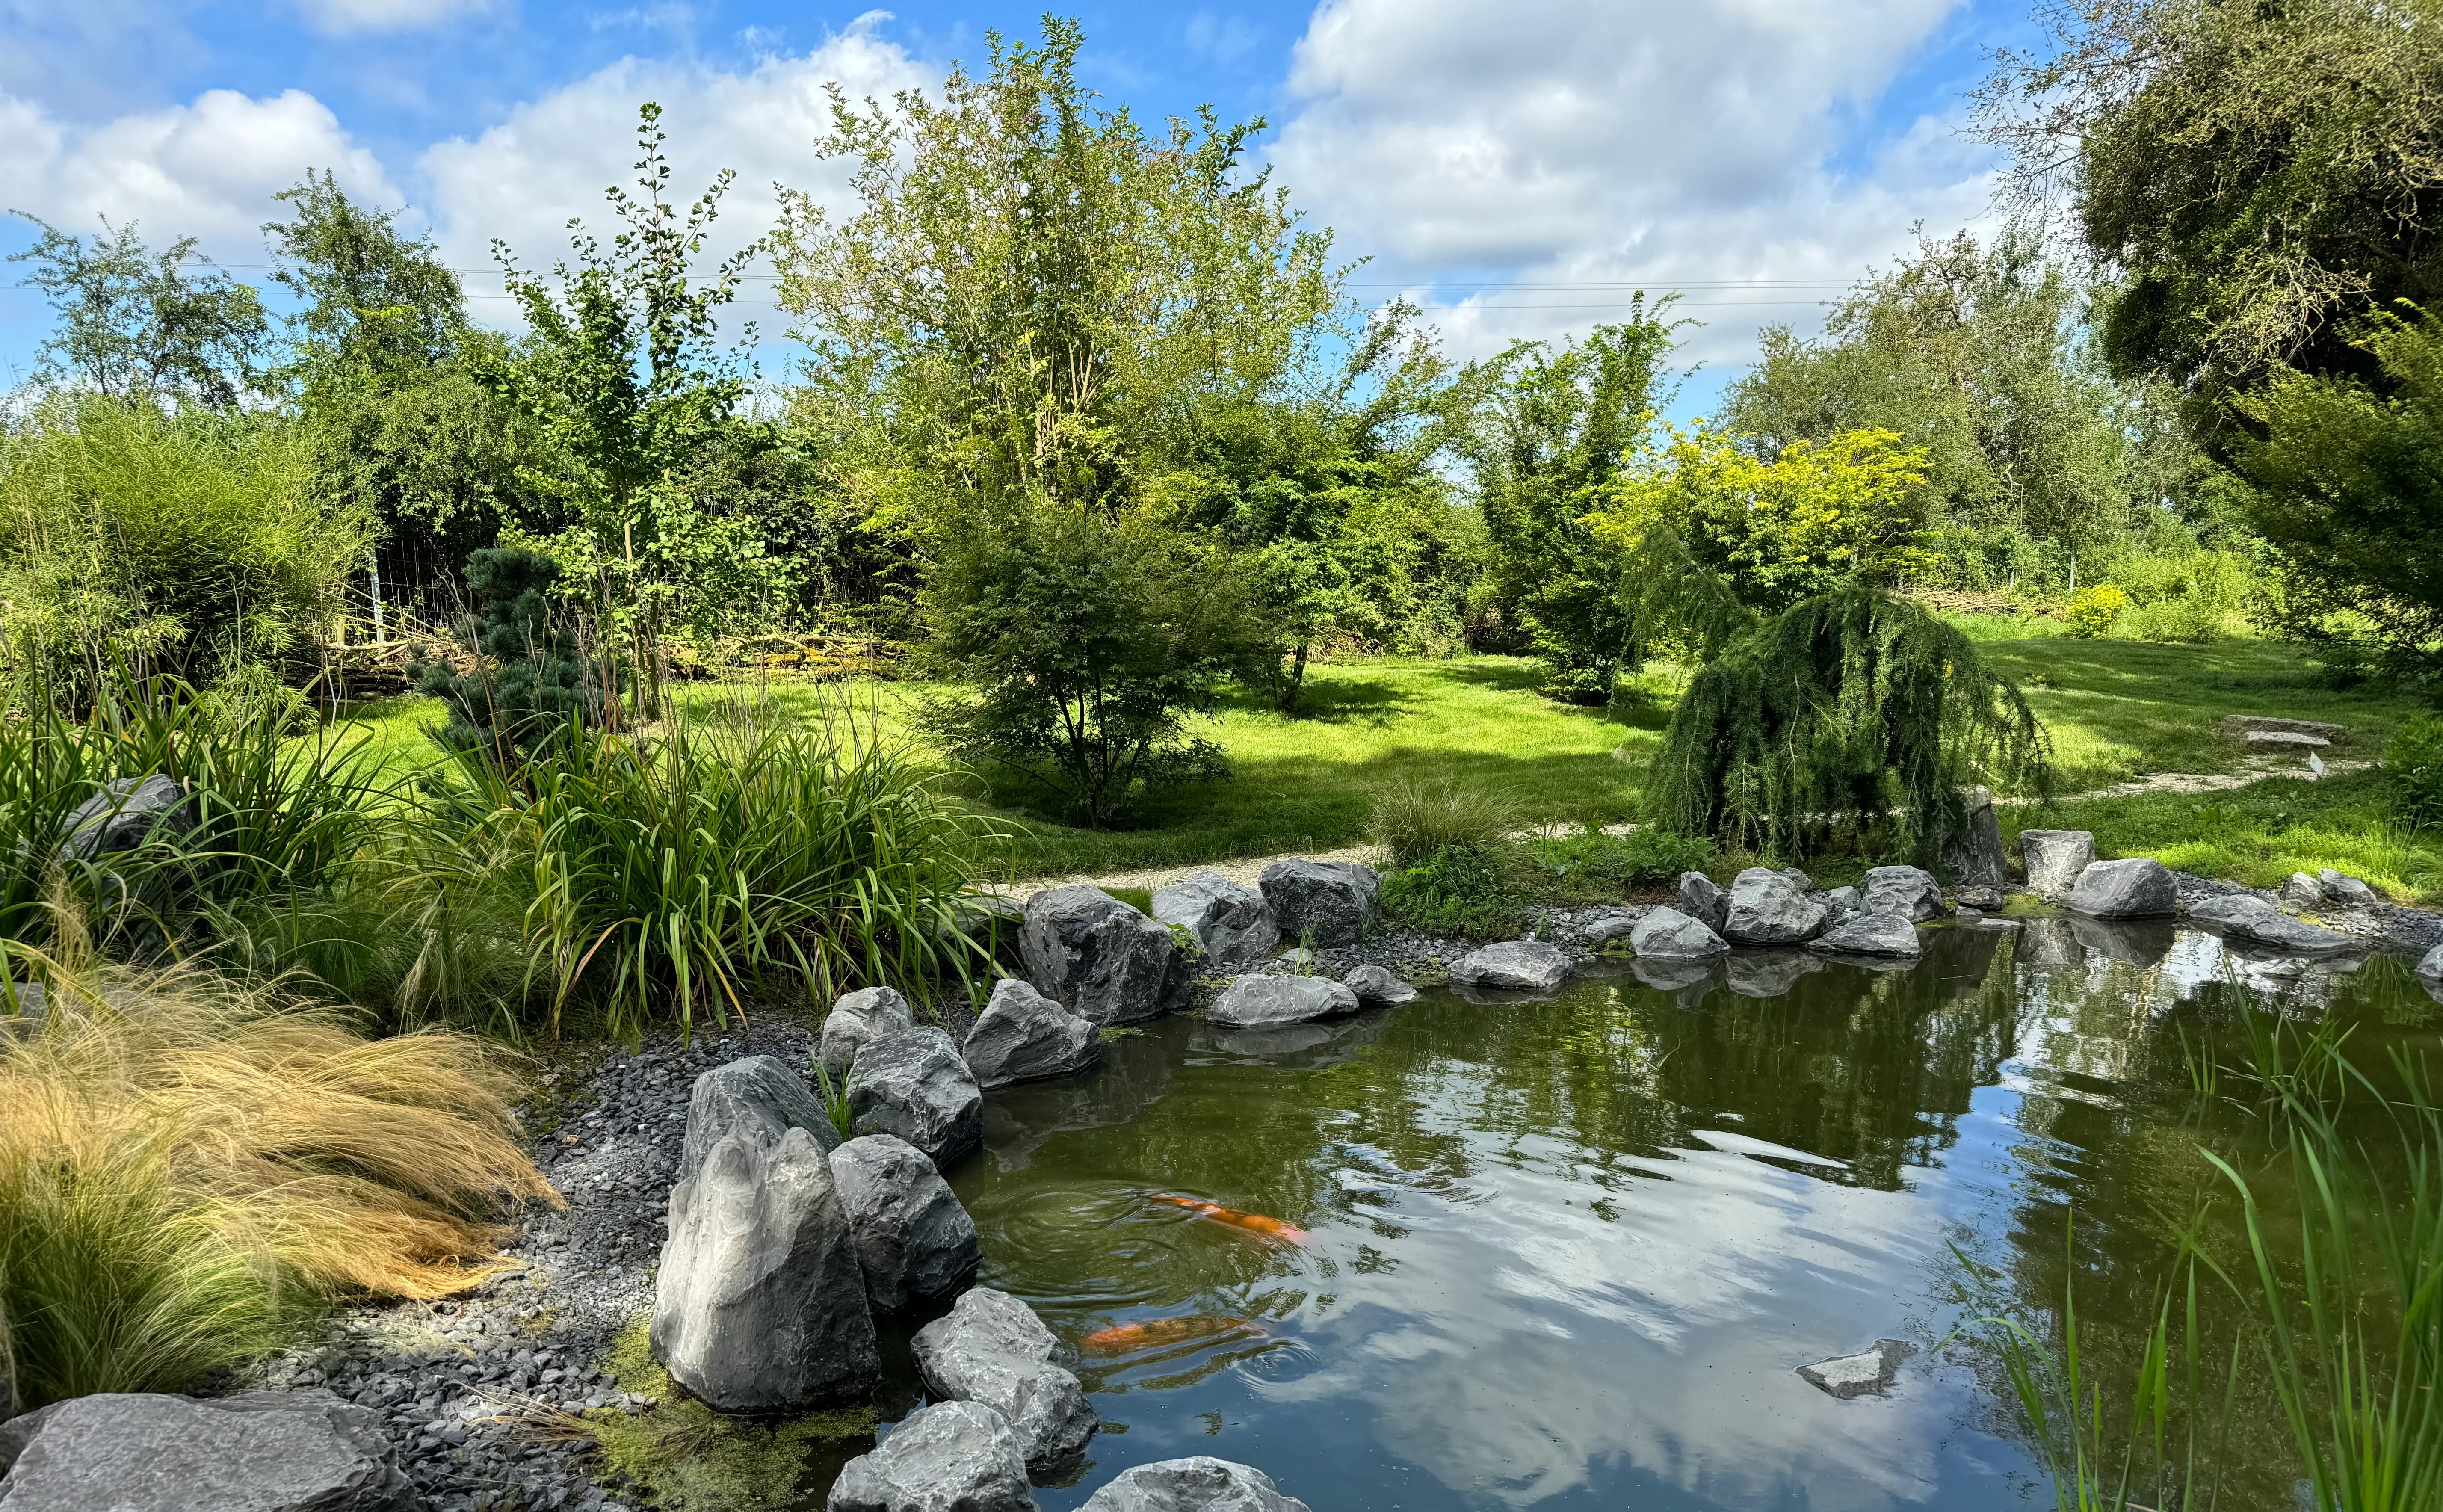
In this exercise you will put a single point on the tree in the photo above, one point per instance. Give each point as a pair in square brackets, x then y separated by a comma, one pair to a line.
[136, 327]
[530, 676]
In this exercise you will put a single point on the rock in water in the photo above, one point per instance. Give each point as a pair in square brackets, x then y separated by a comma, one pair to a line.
[913, 1240]
[1907, 891]
[1767, 908]
[2431, 966]
[2140, 888]
[1669, 934]
[1099, 958]
[759, 1098]
[1201, 1483]
[262, 1451]
[1254, 1000]
[1867, 932]
[914, 1085]
[1974, 858]
[1515, 966]
[2250, 917]
[1859, 1374]
[858, 1019]
[1375, 983]
[992, 1349]
[2347, 890]
[760, 1302]
[950, 1457]
[1336, 899]
[1701, 898]
[1231, 923]
[123, 815]
[2302, 891]
[2054, 858]
[1023, 1036]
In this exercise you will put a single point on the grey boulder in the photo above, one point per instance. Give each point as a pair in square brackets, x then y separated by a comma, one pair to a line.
[1604, 929]
[950, 1457]
[2054, 858]
[1839, 903]
[1230, 922]
[1767, 908]
[2431, 966]
[2140, 888]
[1867, 932]
[856, 1020]
[1974, 857]
[758, 1097]
[2250, 917]
[1334, 899]
[1023, 1036]
[263, 1451]
[1252, 1001]
[2302, 891]
[1860, 1374]
[1198, 1484]
[913, 1240]
[1099, 958]
[1377, 984]
[913, 1085]
[1514, 966]
[1701, 898]
[1669, 934]
[760, 1302]
[991, 1348]
[1910, 892]
[123, 815]
[2344, 890]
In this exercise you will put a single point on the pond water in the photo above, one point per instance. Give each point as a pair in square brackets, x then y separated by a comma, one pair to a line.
[1569, 1253]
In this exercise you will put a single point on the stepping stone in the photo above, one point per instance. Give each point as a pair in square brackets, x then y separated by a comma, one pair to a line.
[1869, 933]
[262, 1451]
[2282, 740]
[1861, 1374]
[950, 1457]
[2243, 726]
[1252, 1001]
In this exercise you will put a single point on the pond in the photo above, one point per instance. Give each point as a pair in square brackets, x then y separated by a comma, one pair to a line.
[1569, 1253]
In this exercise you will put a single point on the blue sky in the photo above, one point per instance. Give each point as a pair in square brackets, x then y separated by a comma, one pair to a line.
[1516, 167]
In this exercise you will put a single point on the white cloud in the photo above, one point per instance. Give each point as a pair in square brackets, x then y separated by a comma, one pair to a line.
[344, 16]
[1593, 141]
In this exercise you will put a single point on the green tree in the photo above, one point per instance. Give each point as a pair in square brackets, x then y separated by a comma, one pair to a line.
[136, 326]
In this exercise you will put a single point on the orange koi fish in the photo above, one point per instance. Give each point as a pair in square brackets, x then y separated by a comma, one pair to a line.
[1127, 1338]
[1253, 1223]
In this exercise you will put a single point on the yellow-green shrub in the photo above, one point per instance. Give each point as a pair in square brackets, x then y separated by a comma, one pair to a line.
[2092, 610]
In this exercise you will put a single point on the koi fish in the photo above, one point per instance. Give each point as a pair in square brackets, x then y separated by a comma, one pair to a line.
[1127, 1338]
[1253, 1223]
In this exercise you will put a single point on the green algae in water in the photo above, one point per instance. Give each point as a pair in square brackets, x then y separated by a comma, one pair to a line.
[689, 1458]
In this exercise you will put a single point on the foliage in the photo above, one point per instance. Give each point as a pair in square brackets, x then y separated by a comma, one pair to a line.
[1414, 818]
[1455, 891]
[137, 327]
[1592, 863]
[185, 543]
[1833, 716]
[2413, 763]
[2190, 596]
[187, 1167]
[531, 677]
[2092, 610]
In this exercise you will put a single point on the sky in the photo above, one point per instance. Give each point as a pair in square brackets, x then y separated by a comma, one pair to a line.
[1517, 167]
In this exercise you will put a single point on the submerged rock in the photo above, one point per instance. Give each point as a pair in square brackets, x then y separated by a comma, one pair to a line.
[760, 1302]
[262, 1451]
[758, 1097]
[2140, 888]
[2054, 859]
[1676, 973]
[913, 1085]
[1099, 958]
[1377, 983]
[2250, 917]
[950, 1457]
[1231, 923]
[856, 1020]
[1869, 933]
[1701, 898]
[1334, 899]
[1023, 1036]
[1254, 1000]
[1200, 1484]
[1669, 934]
[914, 1241]
[991, 1348]
[1767, 908]
[1859, 1374]
[2431, 967]
[1515, 965]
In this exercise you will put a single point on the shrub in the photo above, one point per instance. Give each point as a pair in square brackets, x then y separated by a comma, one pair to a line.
[2413, 764]
[2092, 611]
[1454, 892]
[1414, 818]
[530, 678]
[189, 1168]
[1595, 863]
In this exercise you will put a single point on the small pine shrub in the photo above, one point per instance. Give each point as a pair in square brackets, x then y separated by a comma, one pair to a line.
[2092, 611]
[1454, 892]
[531, 678]
[1416, 819]
[2414, 763]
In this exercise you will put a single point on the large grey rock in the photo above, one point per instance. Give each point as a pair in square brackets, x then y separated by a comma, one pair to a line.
[991, 1348]
[2302, 891]
[1606, 928]
[760, 1302]
[1198, 1484]
[1334, 899]
[1839, 903]
[2244, 725]
[1377, 983]
[856, 1020]
[913, 1240]
[1254, 1000]
[2431, 966]
[1514, 966]
[263, 1451]
[1862, 1375]
[1669, 934]
[1974, 858]
[2140, 888]
[1099, 958]
[1767, 908]
[2054, 858]
[1907, 891]
[950, 1457]
[123, 814]
[913, 1085]
[1023, 1036]
[1869, 932]
[759, 1098]
[1701, 898]
[2344, 890]
[1230, 922]
[2250, 917]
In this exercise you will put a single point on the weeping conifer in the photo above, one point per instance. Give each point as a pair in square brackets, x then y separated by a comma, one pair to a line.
[1851, 713]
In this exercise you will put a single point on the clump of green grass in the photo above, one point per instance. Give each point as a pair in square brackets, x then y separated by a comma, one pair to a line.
[1592, 866]
[1417, 818]
[1468, 892]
